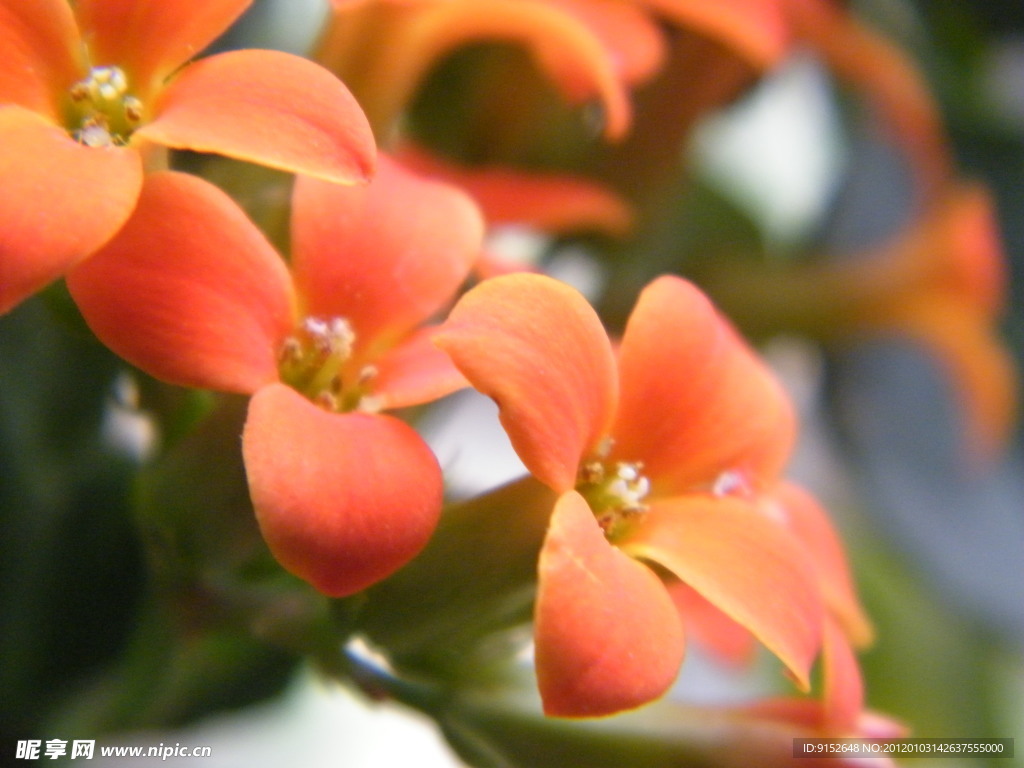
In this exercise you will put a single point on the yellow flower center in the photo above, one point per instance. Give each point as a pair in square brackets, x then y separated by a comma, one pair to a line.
[102, 111]
[615, 491]
[313, 360]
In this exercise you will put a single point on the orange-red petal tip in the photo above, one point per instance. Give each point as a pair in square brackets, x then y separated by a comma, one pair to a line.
[535, 346]
[607, 633]
[342, 500]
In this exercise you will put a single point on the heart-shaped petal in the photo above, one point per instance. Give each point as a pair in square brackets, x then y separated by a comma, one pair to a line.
[342, 499]
[386, 255]
[608, 635]
[696, 402]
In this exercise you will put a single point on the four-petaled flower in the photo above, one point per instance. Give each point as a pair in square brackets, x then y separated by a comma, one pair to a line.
[90, 89]
[660, 454]
[191, 292]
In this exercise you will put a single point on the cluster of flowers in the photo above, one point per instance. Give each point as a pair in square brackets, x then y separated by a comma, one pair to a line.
[665, 448]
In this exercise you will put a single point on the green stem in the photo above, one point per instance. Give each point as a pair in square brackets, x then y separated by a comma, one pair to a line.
[379, 683]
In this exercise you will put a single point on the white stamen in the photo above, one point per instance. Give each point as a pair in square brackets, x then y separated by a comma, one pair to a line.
[628, 472]
[105, 111]
[94, 135]
[332, 337]
[367, 374]
[604, 447]
[730, 482]
[617, 490]
[370, 404]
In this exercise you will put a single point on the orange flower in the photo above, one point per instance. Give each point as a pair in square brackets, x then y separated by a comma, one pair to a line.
[940, 281]
[943, 283]
[88, 89]
[190, 291]
[384, 48]
[659, 460]
[885, 76]
[590, 49]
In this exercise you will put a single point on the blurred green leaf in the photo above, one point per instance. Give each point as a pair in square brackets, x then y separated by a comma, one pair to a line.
[71, 575]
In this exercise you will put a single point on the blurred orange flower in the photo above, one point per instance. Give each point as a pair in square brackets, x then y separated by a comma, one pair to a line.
[591, 49]
[885, 76]
[943, 283]
[384, 48]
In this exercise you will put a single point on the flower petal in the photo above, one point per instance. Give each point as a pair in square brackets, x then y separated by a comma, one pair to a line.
[957, 317]
[968, 250]
[565, 48]
[386, 255]
[844, 687]
[189, 290]
[39, 40]
[633, 37]
[885, 75]
[747, 566]
[343, 500]
[944, 283]
[608, 636]
[539, 350]
[59, 201]
[270, 108]
[809, 522]
[149, 39]
[709, 628]
[695, 401]
[982, 370]
[757, 30]
[415, 372]
[840, 711]
[550, 202]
